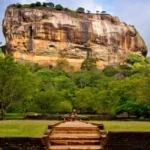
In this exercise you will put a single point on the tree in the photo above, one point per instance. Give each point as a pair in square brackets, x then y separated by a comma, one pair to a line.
[103, 102]
[65, 107]
[97, 12]
[50, 5]
[80, 10]
[63, 83]
[44, 77]
[100, 81]
[59, 7]
[48, 101]
[129, 107]
[110, 71]
[135, 58]
[18, 5]
[62, 64]
[103, 12]
[44, 4]
[125, 69]
[88, 11]
[85, 101]
[15, 83]
[38, 4]
[82, 79]
[142, 89]
[32, 5]
[147, 60]
[123, 91]
[89, 64]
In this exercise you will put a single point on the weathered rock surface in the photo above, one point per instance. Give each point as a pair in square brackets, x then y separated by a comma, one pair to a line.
[43, 36]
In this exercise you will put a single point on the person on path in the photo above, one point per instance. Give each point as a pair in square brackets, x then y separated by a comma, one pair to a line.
[72, 116]
[74, 111]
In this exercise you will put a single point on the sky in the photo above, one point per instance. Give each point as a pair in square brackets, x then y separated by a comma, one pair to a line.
[133, 12]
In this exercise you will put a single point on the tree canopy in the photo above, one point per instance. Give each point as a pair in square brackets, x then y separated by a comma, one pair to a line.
[59, 7]
[15, 83]
[80, 10]
[113, 90]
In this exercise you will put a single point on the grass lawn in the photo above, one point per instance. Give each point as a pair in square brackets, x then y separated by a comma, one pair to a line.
[24, 127]
[14, 116]
[37, 128]
[124, 125]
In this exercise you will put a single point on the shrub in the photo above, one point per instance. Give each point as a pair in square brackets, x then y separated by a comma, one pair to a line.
[25, 6]
[66, 9]
[45, 16]
[32, 5]
[58, 7]
[80, 10]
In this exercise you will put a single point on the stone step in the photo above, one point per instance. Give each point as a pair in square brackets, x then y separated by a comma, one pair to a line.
[76, 147]
[74, 136]
[103, 136]
[75, 142]
[75, 129]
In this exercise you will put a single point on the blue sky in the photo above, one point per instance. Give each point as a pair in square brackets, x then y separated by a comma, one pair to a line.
[134, 12]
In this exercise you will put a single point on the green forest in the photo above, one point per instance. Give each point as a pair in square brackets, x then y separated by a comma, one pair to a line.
[28, 87]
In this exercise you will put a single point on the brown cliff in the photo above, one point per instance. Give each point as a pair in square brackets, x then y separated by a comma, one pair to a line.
[43, 36]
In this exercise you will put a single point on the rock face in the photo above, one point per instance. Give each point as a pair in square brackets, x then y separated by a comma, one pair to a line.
[43, 36]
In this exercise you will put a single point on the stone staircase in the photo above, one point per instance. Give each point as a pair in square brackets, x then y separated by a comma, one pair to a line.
[76, 136]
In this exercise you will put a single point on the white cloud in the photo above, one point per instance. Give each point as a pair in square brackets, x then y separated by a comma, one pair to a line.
[137, 13]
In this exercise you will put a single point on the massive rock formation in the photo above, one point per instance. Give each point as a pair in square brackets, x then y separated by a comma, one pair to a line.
[43, 36]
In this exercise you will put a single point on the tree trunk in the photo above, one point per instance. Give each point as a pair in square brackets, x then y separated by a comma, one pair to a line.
[128, 115]
[2, 107]
[2, 111]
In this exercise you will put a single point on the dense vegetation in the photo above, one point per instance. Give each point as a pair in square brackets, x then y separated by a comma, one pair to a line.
[52, 6]
[30, 88]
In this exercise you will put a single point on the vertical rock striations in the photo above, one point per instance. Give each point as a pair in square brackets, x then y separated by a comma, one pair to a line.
[43, 36]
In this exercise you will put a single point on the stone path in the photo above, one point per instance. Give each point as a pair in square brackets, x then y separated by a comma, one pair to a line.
[75, 136]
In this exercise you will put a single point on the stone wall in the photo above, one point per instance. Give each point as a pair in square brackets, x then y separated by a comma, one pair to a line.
[24, 143]
[127, 141]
